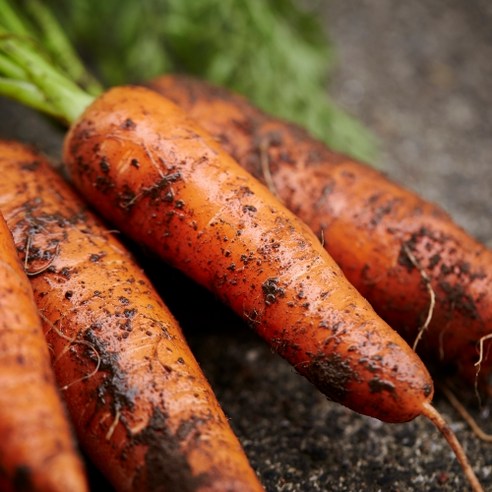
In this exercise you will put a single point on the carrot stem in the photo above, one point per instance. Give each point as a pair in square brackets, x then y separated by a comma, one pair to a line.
[10, 69]
[27, 94]
[63, 97]
[11, 20]
[438, 420]
[59, 47]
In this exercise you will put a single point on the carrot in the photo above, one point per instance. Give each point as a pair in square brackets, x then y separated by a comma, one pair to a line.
[37, 451]
[168, 184]
[141, 406]
[405, 255]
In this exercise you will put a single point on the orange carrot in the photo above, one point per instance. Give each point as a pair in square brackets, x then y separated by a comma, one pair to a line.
[405, 255]
[166, 183]
[37, 451]
[141, 406]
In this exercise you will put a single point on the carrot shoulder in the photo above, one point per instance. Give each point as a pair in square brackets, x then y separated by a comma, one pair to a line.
[37, 451]
[405, 255]
[164, 181]
[141, 406]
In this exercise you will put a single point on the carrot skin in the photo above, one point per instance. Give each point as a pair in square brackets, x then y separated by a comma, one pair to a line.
[164, 181]
[370, 225]
[37, 450]
[141, 406]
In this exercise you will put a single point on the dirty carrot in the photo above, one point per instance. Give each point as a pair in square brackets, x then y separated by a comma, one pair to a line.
[142, 409]
[420, 271]
[163, 181]
[37, 450]
[168, 184]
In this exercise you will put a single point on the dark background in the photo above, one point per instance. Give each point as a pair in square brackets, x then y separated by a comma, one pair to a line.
[419, 74]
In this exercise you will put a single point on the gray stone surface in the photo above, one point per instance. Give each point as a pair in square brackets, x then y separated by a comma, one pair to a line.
[419, 74]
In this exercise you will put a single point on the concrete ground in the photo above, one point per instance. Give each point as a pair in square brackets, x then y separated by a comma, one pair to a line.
[419, 74]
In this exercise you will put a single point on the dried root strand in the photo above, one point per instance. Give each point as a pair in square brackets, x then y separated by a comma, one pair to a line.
[437, 419]
[432, 295]
[481, 342]
[32, 273]
[265, 167]
[113, 425]
[73, 341]
[465, 415]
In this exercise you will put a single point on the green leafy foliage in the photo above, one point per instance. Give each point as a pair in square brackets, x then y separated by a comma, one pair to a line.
[275, 52]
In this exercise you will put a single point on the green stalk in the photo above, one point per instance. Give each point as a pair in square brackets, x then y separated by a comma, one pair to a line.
[27, 94]
[64, 98]
[9, 69]
[57, 44]
[11, 21]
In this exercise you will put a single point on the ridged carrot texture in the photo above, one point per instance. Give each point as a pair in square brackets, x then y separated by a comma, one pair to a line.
[142, 408]
[416, 267]
[165, 182]
[37, 451]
